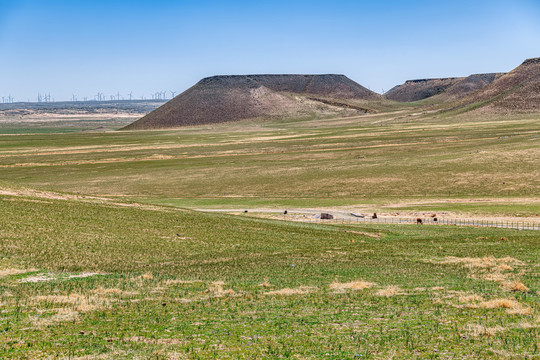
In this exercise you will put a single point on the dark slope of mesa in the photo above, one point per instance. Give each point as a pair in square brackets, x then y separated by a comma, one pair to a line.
[467, 86]
[220, 99]
[518, 90]
[414, 90]
[440, 90]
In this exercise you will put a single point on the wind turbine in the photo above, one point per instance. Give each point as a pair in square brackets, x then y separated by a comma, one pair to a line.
[130, 95]
[172, 93]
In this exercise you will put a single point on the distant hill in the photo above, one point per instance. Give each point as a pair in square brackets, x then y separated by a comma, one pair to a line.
[235, 97]
[468, 85]
[518, 90]
[414, 90]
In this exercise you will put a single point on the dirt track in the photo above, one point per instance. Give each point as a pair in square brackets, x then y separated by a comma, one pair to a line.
[311, 215]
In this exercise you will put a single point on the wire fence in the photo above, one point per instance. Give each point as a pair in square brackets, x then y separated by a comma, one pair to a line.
[503, 224]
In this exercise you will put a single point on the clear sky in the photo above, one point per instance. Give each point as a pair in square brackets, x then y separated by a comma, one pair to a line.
[84, 47]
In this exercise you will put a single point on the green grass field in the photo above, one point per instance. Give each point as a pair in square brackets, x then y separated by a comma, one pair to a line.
[135, 274]
[370, 159]
[169, 284]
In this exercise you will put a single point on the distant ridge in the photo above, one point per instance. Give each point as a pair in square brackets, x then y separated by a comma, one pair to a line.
[414, 90]
[467, 86]
[227, 98]
[518, 90]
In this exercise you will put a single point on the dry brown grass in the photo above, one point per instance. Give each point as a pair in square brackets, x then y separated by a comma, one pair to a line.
[476, 330]
[146, 276]
[80, 303]
[512, 306]
[113, 291]
[470, 298]
[10, 272]
[265, 284]
[302, 290]
[62, 315]
[481, 263]
[215, 289]
[162, 341]
[180, 282]
[390, 291]
[514, 286]
[364, 233]
[53, 277]
[353, 285]
[491, 269]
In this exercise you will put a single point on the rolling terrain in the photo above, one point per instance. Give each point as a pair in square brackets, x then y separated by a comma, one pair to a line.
[516, 91]
[109, 248]
[87, 278]
[467, 86]
[231, 98]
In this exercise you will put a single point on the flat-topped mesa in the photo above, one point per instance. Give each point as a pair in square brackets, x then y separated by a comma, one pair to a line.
[432, 80]
[331, 85]
[419, 89]
[225, 98]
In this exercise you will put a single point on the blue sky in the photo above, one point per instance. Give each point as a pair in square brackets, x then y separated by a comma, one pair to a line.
[82, 47]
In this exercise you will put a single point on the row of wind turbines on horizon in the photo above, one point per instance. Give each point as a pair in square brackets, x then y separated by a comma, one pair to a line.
[46, 97]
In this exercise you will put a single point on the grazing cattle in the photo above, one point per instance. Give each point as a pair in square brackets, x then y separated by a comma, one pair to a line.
[374, 216]
[435, 219]
[285, 212]
[419, 221]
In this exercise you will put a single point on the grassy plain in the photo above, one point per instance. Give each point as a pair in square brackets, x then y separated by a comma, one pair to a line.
[84, 280]
[376, 159]
[138, 276]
